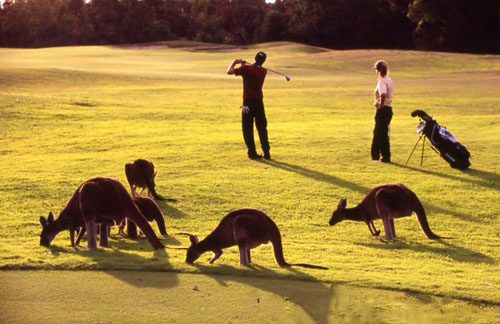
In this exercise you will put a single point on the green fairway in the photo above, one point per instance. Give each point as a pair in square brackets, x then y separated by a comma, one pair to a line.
[166, 297]
[72, 113]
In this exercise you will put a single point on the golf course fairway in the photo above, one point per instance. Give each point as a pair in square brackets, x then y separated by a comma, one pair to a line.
[68, 114]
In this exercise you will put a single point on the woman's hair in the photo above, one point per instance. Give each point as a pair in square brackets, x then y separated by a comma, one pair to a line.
[381, 66]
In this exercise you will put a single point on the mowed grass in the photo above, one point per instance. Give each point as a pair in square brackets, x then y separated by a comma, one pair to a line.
[72, 113]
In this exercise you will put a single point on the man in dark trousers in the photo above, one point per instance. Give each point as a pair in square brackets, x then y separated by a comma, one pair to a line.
[253, 104]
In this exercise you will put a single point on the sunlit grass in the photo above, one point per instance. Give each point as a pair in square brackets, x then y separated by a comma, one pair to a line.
[72, 113]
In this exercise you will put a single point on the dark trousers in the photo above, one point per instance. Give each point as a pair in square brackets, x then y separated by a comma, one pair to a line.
[380, 143]
[256, 112]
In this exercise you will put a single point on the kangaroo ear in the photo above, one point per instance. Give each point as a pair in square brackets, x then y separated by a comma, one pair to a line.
[50, 218]
[43, 221]
[193, 239]
[342, 203]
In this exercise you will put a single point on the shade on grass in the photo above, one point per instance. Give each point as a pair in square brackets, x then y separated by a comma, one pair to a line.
[72, 113]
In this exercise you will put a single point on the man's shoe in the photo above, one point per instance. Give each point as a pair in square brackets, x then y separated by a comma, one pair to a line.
[267, 155]
[254, 156]
[376, 161]
[386, 160]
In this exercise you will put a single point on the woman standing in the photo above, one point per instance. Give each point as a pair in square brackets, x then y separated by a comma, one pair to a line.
[383, 103]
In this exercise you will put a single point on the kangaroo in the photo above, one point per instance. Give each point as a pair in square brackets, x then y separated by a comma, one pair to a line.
[384, 202]
[247, 228]
[98, 200]
[151, 211]
[148, 208]
[142, 174]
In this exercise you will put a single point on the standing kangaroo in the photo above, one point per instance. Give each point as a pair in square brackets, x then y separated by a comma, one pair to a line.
[142, 174]
[247, 228]
[98, 200]
[384, 202]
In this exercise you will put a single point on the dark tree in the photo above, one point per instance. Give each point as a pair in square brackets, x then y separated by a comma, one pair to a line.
[456, 25]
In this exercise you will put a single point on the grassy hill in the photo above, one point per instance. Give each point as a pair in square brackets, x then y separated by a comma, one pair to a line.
[71, 113]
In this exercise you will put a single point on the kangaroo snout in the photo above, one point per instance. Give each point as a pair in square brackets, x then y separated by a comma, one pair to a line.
[334, 220]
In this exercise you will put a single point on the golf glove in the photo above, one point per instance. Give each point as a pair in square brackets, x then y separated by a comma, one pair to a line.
[245, 109]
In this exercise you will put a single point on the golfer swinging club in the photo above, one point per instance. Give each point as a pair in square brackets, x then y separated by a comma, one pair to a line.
[253, 104]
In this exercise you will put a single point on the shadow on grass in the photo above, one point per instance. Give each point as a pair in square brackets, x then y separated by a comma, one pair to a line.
[169, 210]
[315, 175]
[121, 262]
[488, 179]
[452, 251]
[314, 298]
[323, 177]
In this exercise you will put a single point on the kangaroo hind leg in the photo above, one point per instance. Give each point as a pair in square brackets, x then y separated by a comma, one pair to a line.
[393, 228]
[103, 237]
[388, 229]
[382, 203]
[243, 255]
[91, 228]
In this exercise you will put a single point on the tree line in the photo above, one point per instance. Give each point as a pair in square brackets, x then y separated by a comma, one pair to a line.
[445, 25]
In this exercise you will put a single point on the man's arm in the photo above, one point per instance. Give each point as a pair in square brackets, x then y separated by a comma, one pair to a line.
[230, 69]
[382, 100]
[383, 93]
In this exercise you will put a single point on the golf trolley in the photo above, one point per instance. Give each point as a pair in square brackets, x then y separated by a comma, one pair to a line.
[442, 142]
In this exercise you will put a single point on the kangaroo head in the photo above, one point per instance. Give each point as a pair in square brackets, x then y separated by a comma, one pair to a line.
[339, 214]
[193, 253]
[49, 230]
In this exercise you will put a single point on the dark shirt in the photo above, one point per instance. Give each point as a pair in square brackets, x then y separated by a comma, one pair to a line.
[253, 80]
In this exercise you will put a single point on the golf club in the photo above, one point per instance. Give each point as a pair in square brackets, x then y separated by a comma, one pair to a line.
[287, 77]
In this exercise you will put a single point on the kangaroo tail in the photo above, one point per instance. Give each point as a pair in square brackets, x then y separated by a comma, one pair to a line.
[422, 219]
[278, 249]
[310, 266]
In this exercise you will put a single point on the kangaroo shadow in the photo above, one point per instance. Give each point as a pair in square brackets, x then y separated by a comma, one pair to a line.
[452, 251]
[323, 177]
[488, 179]
[117, 263]
[314, 297]
[122, 261]
[169, 210]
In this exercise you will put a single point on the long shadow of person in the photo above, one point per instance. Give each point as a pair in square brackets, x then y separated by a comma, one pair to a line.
[316, 175]
[488, 179]
[455, 252]
[314, 297]
[323, 177]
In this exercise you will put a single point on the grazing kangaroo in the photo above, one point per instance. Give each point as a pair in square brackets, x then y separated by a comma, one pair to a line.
[98, 200]
[148, 208]
[151, 212]
[142, 174]
[247, 228]
[384, 202]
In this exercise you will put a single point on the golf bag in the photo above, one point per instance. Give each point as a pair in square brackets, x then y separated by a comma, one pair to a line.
[446, 144]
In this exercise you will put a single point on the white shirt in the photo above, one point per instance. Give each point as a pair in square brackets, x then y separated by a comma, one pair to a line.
[384, 85]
